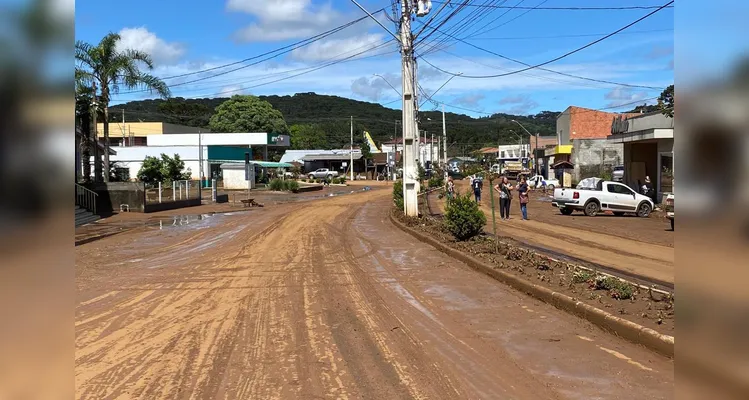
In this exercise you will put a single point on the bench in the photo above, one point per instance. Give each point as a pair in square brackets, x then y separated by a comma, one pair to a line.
[250, 203]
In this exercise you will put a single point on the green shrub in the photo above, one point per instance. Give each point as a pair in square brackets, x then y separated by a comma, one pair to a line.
[276, 185]
[463, 218]
[291, 186]
[304, 179]
[436, 181]
[398, 194]
[616, 287]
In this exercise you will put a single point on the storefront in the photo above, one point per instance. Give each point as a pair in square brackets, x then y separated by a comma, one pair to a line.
[648, 141]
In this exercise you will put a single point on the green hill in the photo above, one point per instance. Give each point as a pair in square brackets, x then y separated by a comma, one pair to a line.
[332, 113]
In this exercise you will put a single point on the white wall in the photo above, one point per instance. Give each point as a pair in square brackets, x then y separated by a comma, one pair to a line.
[132, 157]
[234, 178]
[193, 139]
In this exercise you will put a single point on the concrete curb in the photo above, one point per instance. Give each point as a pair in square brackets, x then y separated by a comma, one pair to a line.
[653, 340]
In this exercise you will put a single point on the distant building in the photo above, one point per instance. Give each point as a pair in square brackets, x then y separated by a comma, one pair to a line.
[581, 140]
[428, 150]
[648, 141]
[137, 133]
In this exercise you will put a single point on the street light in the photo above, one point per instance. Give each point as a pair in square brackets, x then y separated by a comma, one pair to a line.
[535, 163]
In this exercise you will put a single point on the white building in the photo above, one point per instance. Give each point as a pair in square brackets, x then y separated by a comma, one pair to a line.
[429, 150]
[212, 149]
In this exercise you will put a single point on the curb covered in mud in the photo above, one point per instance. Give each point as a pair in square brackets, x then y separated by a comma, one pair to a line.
[663, 344]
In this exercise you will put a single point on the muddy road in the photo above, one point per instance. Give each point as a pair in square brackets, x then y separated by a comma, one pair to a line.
[327, 299]
[638, 247]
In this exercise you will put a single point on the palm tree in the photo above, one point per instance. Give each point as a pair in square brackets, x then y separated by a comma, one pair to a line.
[103, 66]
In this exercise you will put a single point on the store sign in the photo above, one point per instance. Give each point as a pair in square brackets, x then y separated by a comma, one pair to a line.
[275, 139]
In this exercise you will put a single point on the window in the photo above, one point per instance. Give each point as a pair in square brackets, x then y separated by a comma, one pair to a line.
[619, 189]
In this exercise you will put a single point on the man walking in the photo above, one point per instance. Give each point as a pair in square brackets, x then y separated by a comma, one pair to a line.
[477, 184]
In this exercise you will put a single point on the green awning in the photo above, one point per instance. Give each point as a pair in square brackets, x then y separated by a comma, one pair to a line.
[270, 164]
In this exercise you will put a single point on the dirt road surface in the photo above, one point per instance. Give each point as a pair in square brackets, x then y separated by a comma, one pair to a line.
[327, 299]
[636, 246]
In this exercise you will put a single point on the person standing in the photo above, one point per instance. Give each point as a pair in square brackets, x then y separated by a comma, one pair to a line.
[477, 184]
[450, 188]
[523, 197]
[505, 197]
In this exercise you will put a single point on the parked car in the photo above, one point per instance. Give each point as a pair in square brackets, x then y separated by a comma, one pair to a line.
[323, 173]
[605, 196]
[537, 181]
[670, 210]
[618, 174]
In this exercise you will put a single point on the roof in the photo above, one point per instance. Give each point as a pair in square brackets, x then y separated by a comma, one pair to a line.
[264, 164]
[564, 164]
[297, 155]
[331, 157]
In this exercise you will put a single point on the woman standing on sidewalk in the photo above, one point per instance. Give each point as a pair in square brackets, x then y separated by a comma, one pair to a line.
[505, 197]
[523, 197]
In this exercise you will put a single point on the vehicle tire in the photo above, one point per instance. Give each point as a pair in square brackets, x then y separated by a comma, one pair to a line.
[550, 187]
[618, 213]
[591, 208]
[311, 176]
[565, 211]
[643, 210]
[330, 176]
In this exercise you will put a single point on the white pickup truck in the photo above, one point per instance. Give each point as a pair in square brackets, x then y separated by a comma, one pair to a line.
[323, 173]
[606, 196]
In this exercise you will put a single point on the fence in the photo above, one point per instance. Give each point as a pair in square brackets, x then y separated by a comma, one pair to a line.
[166, 192]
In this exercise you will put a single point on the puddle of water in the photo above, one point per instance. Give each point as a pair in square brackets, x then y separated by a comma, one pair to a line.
[456, 299]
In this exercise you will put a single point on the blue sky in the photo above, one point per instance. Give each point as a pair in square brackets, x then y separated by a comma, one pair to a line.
[189, 36]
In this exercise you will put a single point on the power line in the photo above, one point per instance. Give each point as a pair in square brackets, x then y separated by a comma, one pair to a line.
[563, 8]
[310, 39]
[280, 51]
[556, 58]
[569, 36]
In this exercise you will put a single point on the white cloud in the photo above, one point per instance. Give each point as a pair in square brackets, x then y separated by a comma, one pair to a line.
[372, 88]
[623, 95]
[142, 39]
[521, 104]
[283, 19]
[469, 100]
[336, 49]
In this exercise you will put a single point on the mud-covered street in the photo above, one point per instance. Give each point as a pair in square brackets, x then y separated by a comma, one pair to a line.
[327, 299]
[640, 248]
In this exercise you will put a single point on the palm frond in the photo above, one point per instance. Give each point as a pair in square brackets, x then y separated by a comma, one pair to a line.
[154, 85]
[137, 55]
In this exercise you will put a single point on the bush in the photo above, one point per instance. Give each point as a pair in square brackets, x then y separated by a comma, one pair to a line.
[436, 181]
[304, 179]
[291, 186]
[463, 218]
[398, 194]
[276, 185]
[616, 287]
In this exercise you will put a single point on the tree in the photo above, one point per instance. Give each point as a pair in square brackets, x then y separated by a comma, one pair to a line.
[247, 114]
[102, 67]
[150, 171]
[666, 101]
[164, 169]
[171, 168]
[308, 136]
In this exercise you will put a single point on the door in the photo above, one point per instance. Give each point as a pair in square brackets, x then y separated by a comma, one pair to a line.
[620, 198]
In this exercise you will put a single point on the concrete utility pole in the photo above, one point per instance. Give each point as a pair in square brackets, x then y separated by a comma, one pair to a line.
[351, 166]
[410, 128]
[444, 138]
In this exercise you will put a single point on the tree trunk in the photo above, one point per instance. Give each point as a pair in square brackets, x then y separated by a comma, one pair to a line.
[106, 144]
[86, 159]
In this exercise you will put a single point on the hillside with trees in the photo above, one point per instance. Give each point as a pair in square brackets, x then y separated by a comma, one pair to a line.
[323, 121]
